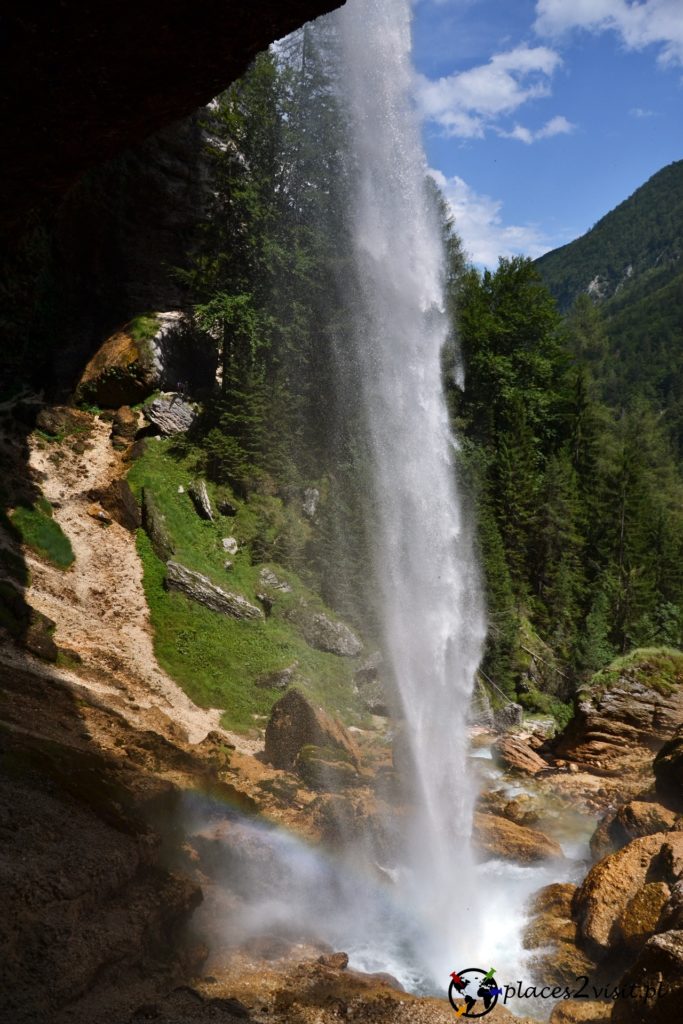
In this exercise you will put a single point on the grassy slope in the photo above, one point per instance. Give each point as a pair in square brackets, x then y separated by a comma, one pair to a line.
[217, 660]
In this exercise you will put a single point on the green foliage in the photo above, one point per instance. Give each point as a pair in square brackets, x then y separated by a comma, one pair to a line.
[42, 534]
[143, 328]
[660, 668]
[219, 660]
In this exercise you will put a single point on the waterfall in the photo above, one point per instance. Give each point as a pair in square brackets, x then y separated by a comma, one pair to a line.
[433, 615]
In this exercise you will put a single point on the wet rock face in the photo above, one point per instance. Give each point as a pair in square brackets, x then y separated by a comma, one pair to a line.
[516, 755]
[94, 79]
[631, 821]
[295, 723]
[657, 979]
[499, 837]
[616, 889]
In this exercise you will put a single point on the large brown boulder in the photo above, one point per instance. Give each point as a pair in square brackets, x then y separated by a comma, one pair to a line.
[640, 918]
[551, 933]
[655, 983]
[122, 371]
[516, 755]
[611, 885]
[632, 820]
[626, 713]
[501, 838]
[296, 723]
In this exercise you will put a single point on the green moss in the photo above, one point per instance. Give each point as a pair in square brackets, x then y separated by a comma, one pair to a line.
[143, 328]
[218, 660]
[537, 702]
[660, 668]
[42, 534]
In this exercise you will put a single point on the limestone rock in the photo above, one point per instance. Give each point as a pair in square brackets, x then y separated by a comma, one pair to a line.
[668, 768]
[171, 414]
[657, 981]
[295, 723]
[119, 502]
[200, 589]
[324, 634]
[124, 425]
[309, 505]
[269, 579]
[625, 714]
[639, 919]
[202, 502]
[230, 545]
[508, 716]
[154, 523]
[498, 837]
[517, 755]
[122, 372]
[280, 679]
[613, 882]
[60, 420]
[631, 820]
[552, 933]
[585, 1011]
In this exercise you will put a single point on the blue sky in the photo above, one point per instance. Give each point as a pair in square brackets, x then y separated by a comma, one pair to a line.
[542, 115]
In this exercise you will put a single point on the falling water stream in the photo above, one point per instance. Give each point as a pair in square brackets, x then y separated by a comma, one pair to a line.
[442, 911]
[431, 603]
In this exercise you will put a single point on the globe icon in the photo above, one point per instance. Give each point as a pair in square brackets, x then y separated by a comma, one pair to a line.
[473, 992]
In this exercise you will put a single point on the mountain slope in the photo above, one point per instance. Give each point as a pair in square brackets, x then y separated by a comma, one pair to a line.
[640, 241]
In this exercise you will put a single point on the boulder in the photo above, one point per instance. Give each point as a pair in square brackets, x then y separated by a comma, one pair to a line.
[309, 505]
[517, 755]
[200, 589]
[325, 634]
[588, 1011]
[280, 679]
[119, 502]
[613, 882]
[631, 820]
[226, 508]
[626, 713]
[230, 545]
[668, 768]
[640, 918]
[154, 523]
[268, 579]
[202, 502]
[295, 723]
[170, 414]
[61, 421]
[509, 716]
[655, 983]
[122, 371]
[497, 837]
[124, 426]
[551, 933]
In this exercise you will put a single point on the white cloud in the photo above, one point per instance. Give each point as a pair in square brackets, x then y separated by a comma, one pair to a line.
[468, 102]
[479, 223]
[641, 112]
[639, 24]
[558, 125]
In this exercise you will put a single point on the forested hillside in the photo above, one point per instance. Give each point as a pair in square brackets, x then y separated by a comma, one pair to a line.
[578, 501]
[630, 265]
